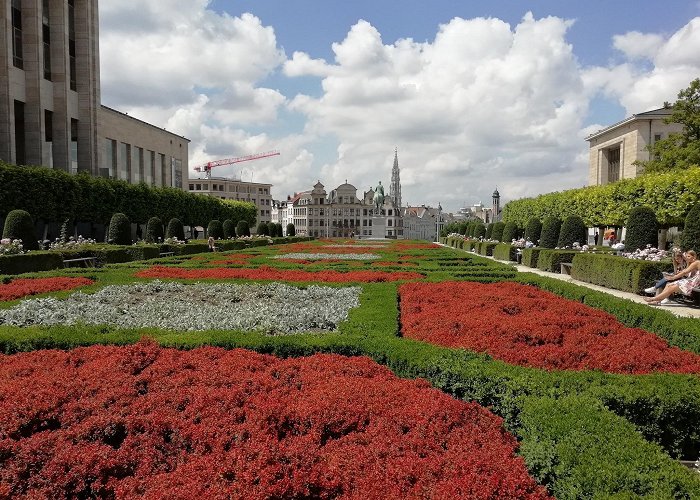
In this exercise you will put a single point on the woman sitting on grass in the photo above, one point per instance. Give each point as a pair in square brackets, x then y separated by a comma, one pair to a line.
[685, 285]
[679, 264]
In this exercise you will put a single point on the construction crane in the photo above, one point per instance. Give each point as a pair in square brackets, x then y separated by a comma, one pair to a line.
[218, 163]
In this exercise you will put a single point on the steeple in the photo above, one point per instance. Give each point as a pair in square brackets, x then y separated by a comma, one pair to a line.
[395, 187]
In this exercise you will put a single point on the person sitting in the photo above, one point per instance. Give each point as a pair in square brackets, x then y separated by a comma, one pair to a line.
[679, 264]
[211, 243]
[680, 283]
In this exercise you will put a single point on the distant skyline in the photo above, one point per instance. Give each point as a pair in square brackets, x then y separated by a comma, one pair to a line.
[473, 94]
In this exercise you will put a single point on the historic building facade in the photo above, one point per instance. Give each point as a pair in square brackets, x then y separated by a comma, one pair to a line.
[615, 149]
[50, 111]
[238, 190]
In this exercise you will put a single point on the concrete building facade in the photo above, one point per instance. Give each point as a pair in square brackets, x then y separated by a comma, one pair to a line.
[615, 149]
[50, 111]
[238, 190]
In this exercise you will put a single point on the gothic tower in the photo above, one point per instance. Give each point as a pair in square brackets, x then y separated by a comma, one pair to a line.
[496, 206]
[395, 187]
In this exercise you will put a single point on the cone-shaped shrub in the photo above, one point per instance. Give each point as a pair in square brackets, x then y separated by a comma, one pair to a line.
[154, 230]
[533, 230]
[498, 228]
[291, 230]
[642, 229]
[489, 231]
[690, 239]
[479, 231]
[511, 231]
[215, 229]
[262, 229]
[550, 232]
[19, 226]
[175, 229]
[242, 228]
[229, 229]
[119, 230]
[572, 230]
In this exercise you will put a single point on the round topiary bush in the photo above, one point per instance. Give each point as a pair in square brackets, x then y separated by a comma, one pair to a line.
[550, 232]
[229, 229]
[242, 228]
[690, 239]
[291, 230]
[175, 229]
[278, 230]
[479, 231]
[511, 232]
[154, 230]
[489, 231]
[497, 233]
[215, 229]
[572, 230]
[19, 226]
[533, 230]
[262, 229]
[642, 229]
[119, 230]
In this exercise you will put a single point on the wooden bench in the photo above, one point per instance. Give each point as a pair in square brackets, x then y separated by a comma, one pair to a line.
[166, 254]
[692, 300]
[566, 268]
[80, 262]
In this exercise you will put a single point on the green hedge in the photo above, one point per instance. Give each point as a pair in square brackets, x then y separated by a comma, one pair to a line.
[616, 272]
[550, 260]
[30, 262]
[530, 256]
[505, 251]
[486, 248]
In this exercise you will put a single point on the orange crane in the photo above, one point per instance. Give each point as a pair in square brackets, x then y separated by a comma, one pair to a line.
[228, 161]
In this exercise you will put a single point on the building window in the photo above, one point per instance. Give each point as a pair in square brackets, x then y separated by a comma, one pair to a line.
[46, 38]
[150, 169]
[20, 150]
[191, 187]
[74, 146]
[48, 126]
[177, 181]
[614, 164]
[123, 161]
[198, 187]
[71, 44]
[110, 159]
[657, 137]
[17, 55]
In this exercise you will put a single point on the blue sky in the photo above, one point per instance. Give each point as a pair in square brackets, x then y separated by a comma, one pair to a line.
[474, 94]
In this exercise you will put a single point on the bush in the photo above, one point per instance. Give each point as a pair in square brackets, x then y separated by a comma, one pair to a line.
[530, 256]
[642, 229]
[262, 229]
[690, 239]
[30, 262]
[618, 273]
[489, 231]
[119, 230]
[505, 251]
[154, 230]
[497, 233]
[229, 229]
[291, 231]
[242, 228]
[480, 231]
[533, 230]
[572, 230]
[175, 229]
[550, 260]
[215, 229]
[19, 226]
[511, 232]
[550, 232]
[486, 248]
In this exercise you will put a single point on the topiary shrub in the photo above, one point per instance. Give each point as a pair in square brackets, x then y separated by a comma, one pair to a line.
[572, 230]
[550, 232]
[291, 230]
[19, 226]
[511, 231]
[533, 230]
[497, 233]
[278, 230]
[175, 229]
[489, 231]
[642, 229]
[690, 239]
[215, 229]
[242, 228]
[479, 231]
[154, 230]
[229, 229]
[262, 229]
[119, 230]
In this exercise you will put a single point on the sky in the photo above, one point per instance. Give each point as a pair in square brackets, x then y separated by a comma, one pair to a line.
[474, 95]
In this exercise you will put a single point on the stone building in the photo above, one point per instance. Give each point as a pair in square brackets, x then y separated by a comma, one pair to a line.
[613, 150]
[238, 190]
[50, 110]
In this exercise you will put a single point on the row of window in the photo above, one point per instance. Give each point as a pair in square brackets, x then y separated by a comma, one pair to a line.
[135, 164]
[232, 188]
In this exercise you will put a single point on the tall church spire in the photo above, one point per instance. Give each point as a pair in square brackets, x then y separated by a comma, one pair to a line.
[395, 187]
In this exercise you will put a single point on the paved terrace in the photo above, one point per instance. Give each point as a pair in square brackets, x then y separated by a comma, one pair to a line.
[674, 308]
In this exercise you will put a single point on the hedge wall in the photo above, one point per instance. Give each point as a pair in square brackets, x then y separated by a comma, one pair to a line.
[530, 256]
[505, 251]
[670, 195]
[54, 196]
[550, 260]
[616, 272]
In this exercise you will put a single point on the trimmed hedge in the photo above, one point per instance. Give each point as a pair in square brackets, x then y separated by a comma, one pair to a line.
[229, 227]
[619, 273]
[550, 232]
[154, 230]
[19, 226]
[497, 233]
[215, 229]
[690, 239]
[530, 256]
[175, 229]
[119, 230]
[550, 260]
[505, 251]
[533, 230]
[511, 232]
[642, 229]
[486, 248]
[30, 262]
[573, 230]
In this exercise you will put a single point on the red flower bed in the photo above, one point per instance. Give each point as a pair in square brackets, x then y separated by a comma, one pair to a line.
[268, 273]
[23, 287]
[526, 326]
[240, 259]
[145, 422]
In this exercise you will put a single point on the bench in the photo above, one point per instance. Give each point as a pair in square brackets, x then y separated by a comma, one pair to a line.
[166, 254]
[692, 300]
[80, 262]
[566, 268]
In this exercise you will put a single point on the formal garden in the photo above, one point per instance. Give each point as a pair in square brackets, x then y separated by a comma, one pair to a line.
[340, 369]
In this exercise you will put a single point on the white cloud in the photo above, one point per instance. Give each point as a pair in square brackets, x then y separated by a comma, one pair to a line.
[636, 45]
